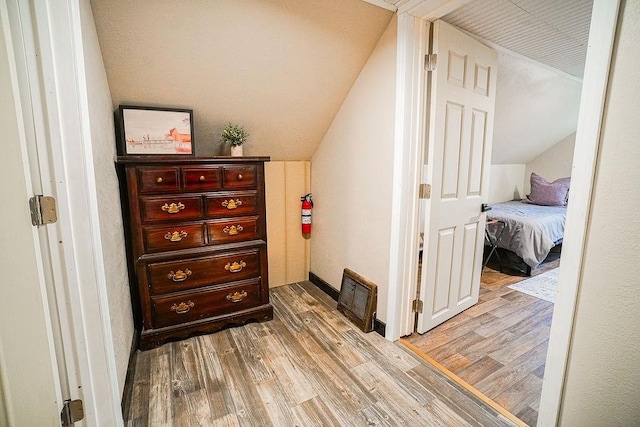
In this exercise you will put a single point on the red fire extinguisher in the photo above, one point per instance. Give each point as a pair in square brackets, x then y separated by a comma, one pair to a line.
[307, 205]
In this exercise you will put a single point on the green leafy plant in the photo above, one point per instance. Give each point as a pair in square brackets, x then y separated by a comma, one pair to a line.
[233, 135]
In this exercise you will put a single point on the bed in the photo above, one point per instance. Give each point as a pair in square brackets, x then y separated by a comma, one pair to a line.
[533, 226]
[530, 230]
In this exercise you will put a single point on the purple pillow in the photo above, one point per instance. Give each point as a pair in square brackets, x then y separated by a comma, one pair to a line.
[547, 193]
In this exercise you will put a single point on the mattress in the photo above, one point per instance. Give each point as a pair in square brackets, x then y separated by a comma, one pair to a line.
[531, 230]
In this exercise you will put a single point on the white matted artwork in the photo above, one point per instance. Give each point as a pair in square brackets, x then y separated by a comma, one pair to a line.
[155, 131]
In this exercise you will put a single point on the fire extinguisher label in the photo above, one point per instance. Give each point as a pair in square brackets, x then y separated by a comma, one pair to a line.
[306, 216]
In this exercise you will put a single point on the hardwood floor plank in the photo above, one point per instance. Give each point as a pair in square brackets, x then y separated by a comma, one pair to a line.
[486, 306]
[479, 370]
[480, 349]
[314, 412]
[277, 406]
[291, 376]
[509, 374]
[187, 385]
[306, 367]
[521, 345]
[248, 404]
[511, 324]
[218, 390]
[456, 362]
[368, 346]
[457, 345]
[462, 403]
[140, 391]
[160, 414]
[529, 416]
[388, 398]
[252, 354]
[518, 395]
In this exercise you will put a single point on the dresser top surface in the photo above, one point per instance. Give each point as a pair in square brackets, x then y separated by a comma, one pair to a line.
[160, 160]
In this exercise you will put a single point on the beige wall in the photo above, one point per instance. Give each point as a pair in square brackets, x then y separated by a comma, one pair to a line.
[554, 163]
[289, 251]
[26, 381]
[352, 174]
[281, 68]
[603, 379]
[506, 182]
[110, 216]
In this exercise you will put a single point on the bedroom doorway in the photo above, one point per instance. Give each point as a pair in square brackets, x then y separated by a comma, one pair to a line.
[594, 86]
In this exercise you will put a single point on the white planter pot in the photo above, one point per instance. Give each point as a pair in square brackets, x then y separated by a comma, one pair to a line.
[236, 151]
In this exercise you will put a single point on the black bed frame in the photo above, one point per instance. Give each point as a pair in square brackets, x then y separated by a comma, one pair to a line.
[512, 263]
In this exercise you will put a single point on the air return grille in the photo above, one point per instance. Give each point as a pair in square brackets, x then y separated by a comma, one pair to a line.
[357, 300]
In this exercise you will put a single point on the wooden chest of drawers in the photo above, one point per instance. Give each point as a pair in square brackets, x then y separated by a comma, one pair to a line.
[197, 236]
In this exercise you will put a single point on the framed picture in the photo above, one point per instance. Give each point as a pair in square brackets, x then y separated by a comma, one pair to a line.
[155, 131]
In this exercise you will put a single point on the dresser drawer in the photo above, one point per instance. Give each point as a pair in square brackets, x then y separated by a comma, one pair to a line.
[185, 274]
[201, 178]
[172, 237]
[188, 306]
[158, 180]
[171, 208]
[232, 203]
[240, 176]
[233, 229]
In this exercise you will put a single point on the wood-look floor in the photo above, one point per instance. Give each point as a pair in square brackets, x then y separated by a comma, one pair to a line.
[499, 346]
[307, 367]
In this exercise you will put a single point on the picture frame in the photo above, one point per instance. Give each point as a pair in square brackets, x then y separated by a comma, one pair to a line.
[155, 131]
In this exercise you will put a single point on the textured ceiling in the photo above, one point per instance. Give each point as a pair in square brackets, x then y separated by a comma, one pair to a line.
[550, 31]
[554, 32]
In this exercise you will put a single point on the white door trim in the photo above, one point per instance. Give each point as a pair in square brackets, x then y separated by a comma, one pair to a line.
[60, 115]
[604, 19]
[404, 238]
[407, 174]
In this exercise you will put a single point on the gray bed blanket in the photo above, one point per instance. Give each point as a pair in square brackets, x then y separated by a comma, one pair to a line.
[531, 230]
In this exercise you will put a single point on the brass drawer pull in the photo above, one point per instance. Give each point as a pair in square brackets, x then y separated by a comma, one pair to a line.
[240, 177]
[232, 204]
[179, 276]
[237, 296]
[201, 178]
[235, 267]
[159, 180]
[233, 229]
[176, 236]
[183, 307]
[173, 208]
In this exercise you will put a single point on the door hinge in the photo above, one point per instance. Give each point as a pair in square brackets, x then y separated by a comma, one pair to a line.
[424, 191]
[72, 412]
[430, 61]
[43, 210]
[417, 306]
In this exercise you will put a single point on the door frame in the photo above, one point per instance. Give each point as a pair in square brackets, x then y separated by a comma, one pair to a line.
[407, 144]
[57, 115]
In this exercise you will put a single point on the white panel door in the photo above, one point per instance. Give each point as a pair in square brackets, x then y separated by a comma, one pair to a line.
[460, 129]
[30, 391]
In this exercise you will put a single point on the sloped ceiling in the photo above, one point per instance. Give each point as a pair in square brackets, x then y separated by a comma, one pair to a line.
[280, 68]
[536, 106]
[552, 32]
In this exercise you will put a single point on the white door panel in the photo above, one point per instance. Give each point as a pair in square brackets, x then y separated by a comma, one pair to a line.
[29, 387]
[459, 147]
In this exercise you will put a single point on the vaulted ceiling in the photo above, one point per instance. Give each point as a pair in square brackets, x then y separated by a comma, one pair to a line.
[280, 68]
[541, 48]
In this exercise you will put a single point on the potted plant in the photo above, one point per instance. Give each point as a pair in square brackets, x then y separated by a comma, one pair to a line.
[235, 136]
